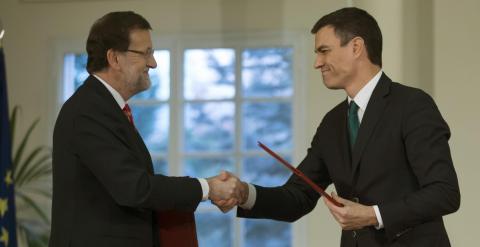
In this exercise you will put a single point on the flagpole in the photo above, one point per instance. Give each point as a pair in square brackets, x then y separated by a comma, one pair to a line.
[2, 32]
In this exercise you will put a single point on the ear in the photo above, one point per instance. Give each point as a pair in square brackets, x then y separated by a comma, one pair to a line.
[358, 46]
[112, 59]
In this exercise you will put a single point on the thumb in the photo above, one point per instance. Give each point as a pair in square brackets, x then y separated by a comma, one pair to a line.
[339, 199]
[223, 175]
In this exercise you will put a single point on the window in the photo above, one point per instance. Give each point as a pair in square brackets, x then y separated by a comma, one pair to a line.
[205, 112]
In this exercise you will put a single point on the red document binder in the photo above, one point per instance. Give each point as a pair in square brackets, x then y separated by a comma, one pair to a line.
[177, 229]
[300, 174]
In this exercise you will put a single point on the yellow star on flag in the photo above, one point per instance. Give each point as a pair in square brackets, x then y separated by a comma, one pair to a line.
[4, 237]
[3, 206]
[8, 178]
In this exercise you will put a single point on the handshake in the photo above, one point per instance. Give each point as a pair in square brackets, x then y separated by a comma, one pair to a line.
[227, 191]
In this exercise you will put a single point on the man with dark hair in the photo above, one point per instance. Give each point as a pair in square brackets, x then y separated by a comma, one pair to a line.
[385, 148]
[112, 31]
[104, 189]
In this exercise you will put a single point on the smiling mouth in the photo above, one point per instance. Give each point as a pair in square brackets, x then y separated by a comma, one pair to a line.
[324, 69]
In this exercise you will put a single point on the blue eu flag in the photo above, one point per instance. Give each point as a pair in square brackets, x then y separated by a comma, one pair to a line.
[8, 236]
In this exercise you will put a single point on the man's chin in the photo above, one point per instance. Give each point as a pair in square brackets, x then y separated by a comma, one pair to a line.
[142, 86]
[331, 85]
[146, 84]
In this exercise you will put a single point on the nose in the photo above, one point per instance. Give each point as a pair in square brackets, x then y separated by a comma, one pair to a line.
[319, 62]
[151, 62]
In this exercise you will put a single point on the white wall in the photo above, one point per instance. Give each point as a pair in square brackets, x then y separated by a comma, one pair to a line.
[430, 44]
[457, 85]
[33, 30]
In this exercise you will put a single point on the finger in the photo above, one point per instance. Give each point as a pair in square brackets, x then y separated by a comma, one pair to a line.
[220, 203]
[225, 209]
[327, 202]
[333, 213]
[231, 202]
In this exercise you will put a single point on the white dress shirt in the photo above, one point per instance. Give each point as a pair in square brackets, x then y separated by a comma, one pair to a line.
[361, 99]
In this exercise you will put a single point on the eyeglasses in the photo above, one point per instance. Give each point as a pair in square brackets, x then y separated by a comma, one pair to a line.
[146, 54]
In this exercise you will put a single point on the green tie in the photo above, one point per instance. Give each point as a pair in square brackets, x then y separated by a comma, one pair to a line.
[353, 122]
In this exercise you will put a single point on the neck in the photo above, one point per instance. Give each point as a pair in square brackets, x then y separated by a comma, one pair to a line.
[115, 83]
[363, 76]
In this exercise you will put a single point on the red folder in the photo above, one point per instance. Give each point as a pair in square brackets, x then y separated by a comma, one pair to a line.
[177, 229]
[300, 174]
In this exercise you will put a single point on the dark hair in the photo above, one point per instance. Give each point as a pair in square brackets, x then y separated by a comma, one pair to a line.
[112, 31]
[349, 23]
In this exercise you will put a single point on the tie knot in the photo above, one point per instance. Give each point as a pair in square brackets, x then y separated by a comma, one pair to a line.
[126, 109]
[353, 123]
[353, 108]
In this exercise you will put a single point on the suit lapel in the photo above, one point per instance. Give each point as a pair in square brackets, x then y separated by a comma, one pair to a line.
[343, 143]
[132, 138]
[375, 108]
[135, 135]
[135, 140]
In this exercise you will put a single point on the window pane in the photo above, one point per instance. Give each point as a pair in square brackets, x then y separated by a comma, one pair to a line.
[214, 229]
[74, 73]
[265, 170]
[209, 126]
[209, 74]
[160, 166]
[267, 233]
[207, 167]
[159, 77]
[269, 123]
[267, 72]
[152, 122]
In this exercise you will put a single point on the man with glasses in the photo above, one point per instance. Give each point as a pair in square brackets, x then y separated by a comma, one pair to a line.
[104, 189]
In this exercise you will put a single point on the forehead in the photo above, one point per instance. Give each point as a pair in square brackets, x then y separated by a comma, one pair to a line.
[326, 37]
[140, 38]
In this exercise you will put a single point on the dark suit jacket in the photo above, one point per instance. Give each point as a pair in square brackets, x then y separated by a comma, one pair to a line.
[400, 162]
[104, 190]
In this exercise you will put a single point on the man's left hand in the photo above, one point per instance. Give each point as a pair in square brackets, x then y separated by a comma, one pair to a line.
[352, 216]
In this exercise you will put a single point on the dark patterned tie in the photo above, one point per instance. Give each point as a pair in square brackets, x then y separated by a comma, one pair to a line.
[128, 112]
[353, 122]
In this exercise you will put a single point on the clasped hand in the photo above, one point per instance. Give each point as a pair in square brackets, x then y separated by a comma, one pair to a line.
[227, 191]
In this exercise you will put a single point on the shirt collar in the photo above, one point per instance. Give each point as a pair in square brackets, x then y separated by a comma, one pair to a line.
[116, 95]
[363, 96]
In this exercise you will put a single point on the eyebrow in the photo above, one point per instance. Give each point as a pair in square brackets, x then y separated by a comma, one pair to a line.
[318, 49]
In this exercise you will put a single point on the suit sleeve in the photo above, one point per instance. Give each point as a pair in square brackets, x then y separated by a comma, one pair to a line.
[295, 198]
[124, 174]
[425, 136]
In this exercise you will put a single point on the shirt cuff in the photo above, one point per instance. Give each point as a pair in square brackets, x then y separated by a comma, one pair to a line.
[252, 197]
[379, 218]
[205, 188]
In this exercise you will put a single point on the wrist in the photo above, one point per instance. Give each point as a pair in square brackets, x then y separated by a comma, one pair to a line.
[373, 216]
[244, 194]
[210, 187]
